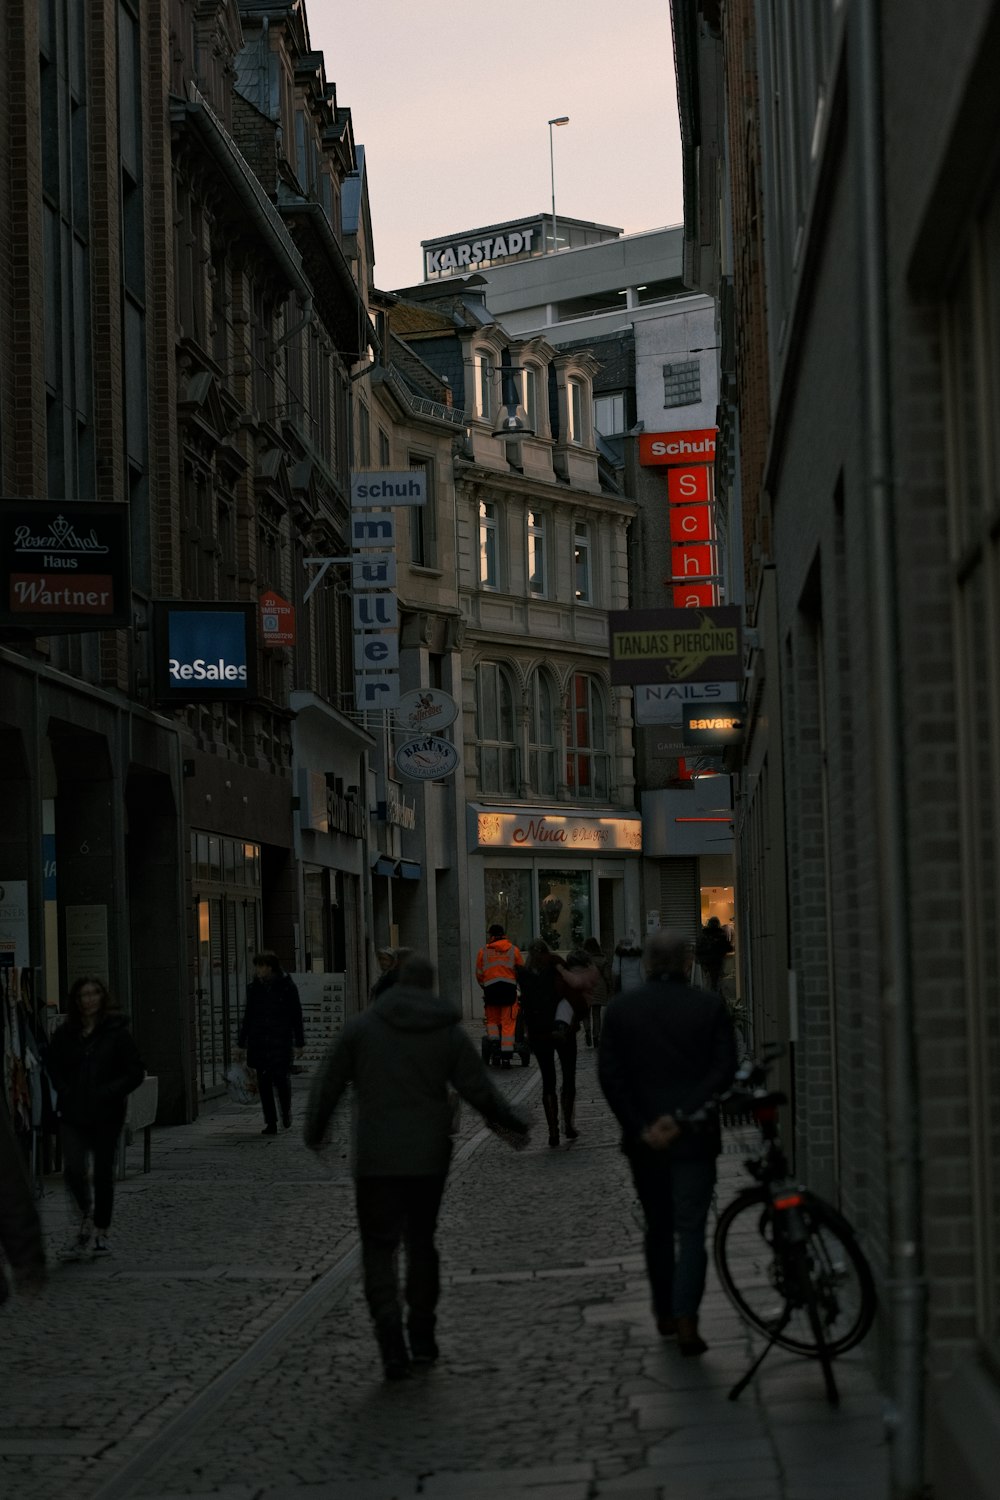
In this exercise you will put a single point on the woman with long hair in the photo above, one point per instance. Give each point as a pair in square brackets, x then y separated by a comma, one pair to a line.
[542, 982]
[94, 1064]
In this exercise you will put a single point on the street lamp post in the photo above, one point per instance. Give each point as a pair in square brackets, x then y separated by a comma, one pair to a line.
[560, 120]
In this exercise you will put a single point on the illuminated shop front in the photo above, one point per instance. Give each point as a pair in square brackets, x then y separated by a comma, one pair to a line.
[563, 876]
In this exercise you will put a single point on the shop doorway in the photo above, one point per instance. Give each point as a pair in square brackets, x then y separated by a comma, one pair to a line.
[227, 882]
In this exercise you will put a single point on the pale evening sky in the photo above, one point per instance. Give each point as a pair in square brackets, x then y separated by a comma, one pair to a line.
[452, 104]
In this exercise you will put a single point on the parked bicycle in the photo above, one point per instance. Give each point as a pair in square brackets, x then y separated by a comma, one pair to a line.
[788, 1261]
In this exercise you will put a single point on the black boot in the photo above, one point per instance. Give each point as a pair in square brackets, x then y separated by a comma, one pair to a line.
[392, 1346]
[569, 1110]
[423, 1345]
[550, 1105]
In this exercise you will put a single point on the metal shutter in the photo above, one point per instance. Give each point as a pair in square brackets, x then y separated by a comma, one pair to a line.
[680, 896]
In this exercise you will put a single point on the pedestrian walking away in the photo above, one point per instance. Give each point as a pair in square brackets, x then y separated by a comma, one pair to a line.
[542, 983]
[94, 1065]
[496, 964]
[600, 994]
[404, 1055]
[667, 1048]
[711, 950]
[388, 960]
[626, 966]
[20, 1227]
[271, 1034]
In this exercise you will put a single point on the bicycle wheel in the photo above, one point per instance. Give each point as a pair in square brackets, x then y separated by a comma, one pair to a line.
[759, 1282]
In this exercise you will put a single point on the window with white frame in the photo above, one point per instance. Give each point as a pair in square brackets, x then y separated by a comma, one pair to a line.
[497, 748]
[542, 735]
[423, 519]
[587, 757]
[609, 413]
[582, 584]
[489, 545]
[537, 562]
[577, 433]
[484, 384]
[531, 397]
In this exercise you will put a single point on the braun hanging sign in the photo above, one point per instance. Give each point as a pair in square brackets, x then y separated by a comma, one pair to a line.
[427, 758]
[204, 653]
[388, 487]
[64, 566]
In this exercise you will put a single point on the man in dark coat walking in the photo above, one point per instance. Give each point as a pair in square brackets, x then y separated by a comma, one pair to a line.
[271, 1028]
[404, 1055]
[669, 1047]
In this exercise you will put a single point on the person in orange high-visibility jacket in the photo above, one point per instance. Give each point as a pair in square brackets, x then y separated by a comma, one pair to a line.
[495, 966]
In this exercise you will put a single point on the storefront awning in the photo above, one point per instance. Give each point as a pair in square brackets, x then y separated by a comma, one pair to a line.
[383, 866]
[409, 869]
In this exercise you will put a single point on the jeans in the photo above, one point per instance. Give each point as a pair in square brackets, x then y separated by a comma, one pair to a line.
[675, 1198]
[270, 1080]
[391, 1211]
[98, 1141]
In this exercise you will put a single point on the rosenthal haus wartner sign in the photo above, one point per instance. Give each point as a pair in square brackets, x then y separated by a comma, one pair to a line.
[64, 566]
[556, 833]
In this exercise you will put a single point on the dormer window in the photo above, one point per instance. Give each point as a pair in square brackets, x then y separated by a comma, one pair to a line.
[531, 396]
[484, 384]
[576, 430]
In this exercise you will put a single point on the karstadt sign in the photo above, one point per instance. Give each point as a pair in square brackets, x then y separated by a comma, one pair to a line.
[441, 257]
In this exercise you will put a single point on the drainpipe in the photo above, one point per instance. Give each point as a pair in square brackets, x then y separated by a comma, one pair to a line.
[907, 1285]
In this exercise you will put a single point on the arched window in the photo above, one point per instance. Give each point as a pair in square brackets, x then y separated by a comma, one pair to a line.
[587, 758]
[542, 736]
[495, 729]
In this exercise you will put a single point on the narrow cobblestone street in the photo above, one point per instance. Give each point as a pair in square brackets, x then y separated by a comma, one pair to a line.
[225, 1349]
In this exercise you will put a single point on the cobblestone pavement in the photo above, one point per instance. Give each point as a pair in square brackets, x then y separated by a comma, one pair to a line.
[225, 1350]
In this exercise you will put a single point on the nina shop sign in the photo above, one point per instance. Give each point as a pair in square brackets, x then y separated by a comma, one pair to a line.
[64, 566]
[204, 653]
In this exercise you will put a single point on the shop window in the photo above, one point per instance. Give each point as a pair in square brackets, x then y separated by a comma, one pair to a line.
[587, 758]
[542, 736]
[497, 750]
[508, 901]
[564, 908]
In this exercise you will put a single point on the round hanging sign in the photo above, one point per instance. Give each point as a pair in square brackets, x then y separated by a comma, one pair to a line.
[425, 710]
[427, 758]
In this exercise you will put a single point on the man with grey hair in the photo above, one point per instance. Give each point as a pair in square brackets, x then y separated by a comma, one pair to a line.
[667, 1048]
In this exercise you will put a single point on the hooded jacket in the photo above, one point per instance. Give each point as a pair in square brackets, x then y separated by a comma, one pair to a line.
[401, 1055]
[94, 1074]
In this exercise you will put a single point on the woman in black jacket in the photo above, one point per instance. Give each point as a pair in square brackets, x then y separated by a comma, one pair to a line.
[542, 983]
[271, 1028]
[94, 1064]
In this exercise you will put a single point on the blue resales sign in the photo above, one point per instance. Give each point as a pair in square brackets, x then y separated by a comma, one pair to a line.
[204, 652]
